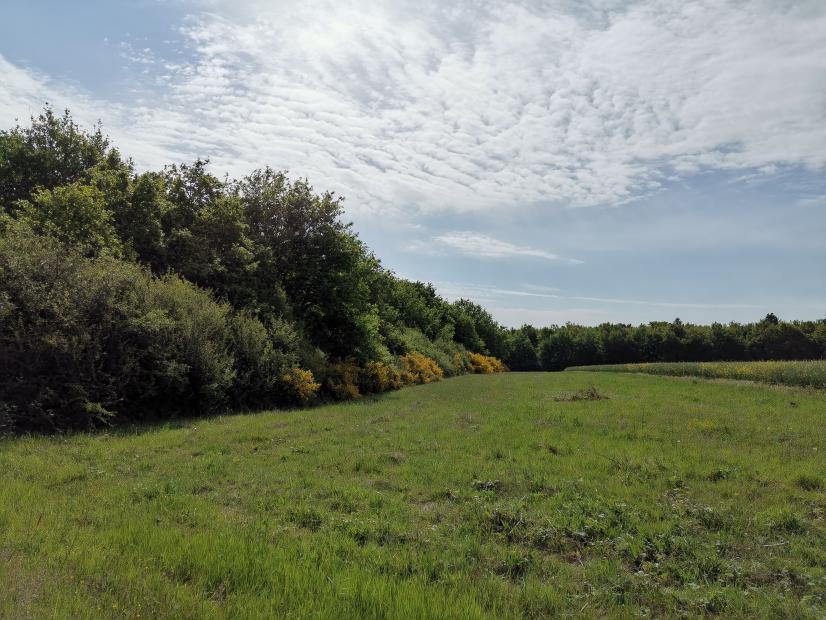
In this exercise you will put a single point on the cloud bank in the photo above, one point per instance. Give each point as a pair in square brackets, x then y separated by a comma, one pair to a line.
[451, 107]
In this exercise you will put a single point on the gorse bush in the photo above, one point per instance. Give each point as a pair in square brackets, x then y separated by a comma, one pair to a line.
[342, 380]
[299, 386]
[485, 364]
[263, 355]
[417, 368]
[377, 377]
[441, 350]
[461, 363]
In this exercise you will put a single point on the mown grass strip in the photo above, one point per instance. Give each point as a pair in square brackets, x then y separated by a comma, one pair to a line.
[810, 373]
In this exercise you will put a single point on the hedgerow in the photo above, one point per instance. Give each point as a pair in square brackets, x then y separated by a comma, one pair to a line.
[127, 296]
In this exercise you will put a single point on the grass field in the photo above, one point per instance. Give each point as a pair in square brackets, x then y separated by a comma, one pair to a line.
[811, 373]
[481, 496]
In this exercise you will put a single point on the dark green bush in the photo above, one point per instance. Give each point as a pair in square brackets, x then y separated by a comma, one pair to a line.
[262, 356]
[83, 340]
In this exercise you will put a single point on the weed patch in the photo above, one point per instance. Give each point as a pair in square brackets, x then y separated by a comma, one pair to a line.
[809, 483]
[589, 393]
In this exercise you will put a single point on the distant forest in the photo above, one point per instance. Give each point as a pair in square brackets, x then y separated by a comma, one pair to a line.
[129, 295]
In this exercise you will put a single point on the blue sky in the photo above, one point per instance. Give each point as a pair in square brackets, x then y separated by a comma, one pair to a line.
[555, 160]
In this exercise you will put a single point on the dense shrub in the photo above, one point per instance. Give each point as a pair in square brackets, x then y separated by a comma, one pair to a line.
[377, 377]
[417, 368]
[263, 356]
[53, 151]
[299, 386]
[75, 214]
[85, 340]
[443, 350]
[485, 364]
[461, 363]
[342, 378]
[522, 352]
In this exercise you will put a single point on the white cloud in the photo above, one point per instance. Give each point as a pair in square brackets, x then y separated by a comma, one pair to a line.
[664, 304]
[152, 136]
[467, 105]
[813, 201]
[478, 245]
[454, 290]
[457, 290]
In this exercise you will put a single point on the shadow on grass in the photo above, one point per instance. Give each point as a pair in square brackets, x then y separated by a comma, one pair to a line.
[158, 424]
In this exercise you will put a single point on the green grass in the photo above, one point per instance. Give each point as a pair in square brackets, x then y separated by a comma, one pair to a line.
[482, 496]
[810, 373]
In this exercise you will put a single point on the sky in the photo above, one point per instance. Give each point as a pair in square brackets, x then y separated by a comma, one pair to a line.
[553, 160]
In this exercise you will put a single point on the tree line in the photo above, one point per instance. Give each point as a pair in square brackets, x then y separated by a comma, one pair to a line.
[129, 295]
[560, 347]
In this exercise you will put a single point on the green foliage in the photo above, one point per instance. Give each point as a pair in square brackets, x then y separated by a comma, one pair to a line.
[75, 214]
[443, 350]
[51, 152]
[215, 252]
[772, 339]
[85, 336]
[489, 331]
[197, 339]
[139, 221]
[262, 357]
[522, 353]
[324, 269]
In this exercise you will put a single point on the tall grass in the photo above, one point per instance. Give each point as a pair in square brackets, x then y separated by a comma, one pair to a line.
[803, 373]
[515, 495]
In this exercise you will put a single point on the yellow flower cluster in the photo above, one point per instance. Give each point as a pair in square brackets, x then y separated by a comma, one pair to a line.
[300, 385]
[486, 364]
[417, 368]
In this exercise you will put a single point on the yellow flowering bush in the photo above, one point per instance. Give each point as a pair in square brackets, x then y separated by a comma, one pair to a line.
[485, 364]
[299, 385]
[342, 380]
[377, 377]
[417, 368]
